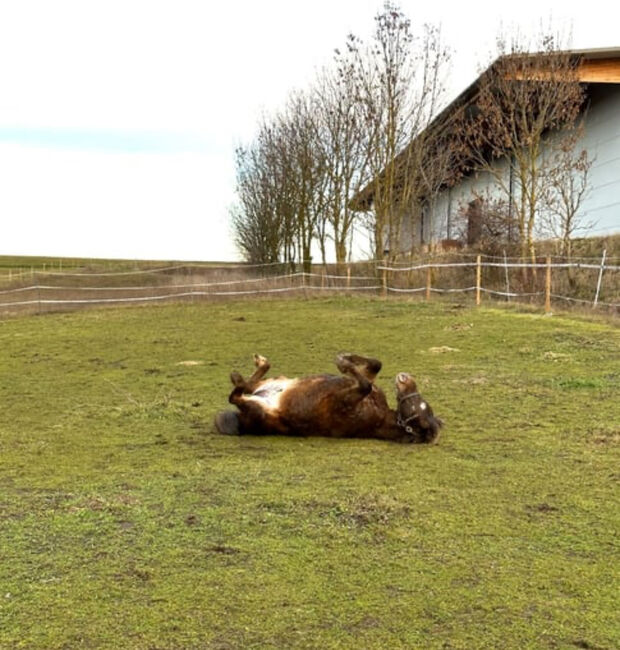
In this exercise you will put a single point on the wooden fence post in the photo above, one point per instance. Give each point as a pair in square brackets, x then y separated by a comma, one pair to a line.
[348, 278]
[548, 286]
[478, 278]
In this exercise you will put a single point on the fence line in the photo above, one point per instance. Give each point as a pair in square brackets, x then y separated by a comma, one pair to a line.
[144, 287]
[393, 280]
[186, 294]
[512, 294]
[511, 265]
[269, 265]
[289, 276]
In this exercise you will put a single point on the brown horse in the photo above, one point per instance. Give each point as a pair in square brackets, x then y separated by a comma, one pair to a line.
[337, 406]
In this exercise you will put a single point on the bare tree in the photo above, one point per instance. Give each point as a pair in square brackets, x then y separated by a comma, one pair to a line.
[341, 139]
[280, 179]
[302, 162]
[485, 223]
[525, 108]
[368, 118]
[566, 189]
[400, 86]
[256, 223]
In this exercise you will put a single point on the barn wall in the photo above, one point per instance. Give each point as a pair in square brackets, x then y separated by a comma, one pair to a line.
[449, 221]
[602, 141]
[601, 206]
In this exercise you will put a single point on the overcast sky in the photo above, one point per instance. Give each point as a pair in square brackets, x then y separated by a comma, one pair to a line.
[119, 119]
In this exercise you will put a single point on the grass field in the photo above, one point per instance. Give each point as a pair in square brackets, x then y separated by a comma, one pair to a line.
[10, 264]
[126, 522]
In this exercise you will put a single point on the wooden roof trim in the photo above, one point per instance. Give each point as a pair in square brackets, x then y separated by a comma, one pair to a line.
[599, 71]
[599, 65]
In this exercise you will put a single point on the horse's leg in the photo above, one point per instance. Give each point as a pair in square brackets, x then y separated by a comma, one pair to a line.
[366, 366]
[262, 367]
[361, 387]
[249, 385]
[230, 422]
[251, 416]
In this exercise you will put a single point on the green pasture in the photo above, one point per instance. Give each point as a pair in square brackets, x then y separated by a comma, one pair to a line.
[10, 264]
[127, 522]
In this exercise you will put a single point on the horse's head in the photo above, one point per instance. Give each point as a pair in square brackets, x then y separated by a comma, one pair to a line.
[414, 414]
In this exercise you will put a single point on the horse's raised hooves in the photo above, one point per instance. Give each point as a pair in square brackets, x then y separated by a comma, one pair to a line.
[260, 361]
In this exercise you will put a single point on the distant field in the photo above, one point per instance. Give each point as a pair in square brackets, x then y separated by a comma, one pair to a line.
[26, 263]
[126, 522]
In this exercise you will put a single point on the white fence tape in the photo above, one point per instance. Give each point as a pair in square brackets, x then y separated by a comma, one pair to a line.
[169, 296]
[510, 265]
[44, 287]
[196, 290]
[510, 294]
[397, 290]
[434, 265]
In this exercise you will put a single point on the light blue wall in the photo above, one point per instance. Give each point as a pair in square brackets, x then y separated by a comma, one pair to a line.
[602, 142]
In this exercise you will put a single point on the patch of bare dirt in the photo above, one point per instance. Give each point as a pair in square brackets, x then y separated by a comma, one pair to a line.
[443, 349]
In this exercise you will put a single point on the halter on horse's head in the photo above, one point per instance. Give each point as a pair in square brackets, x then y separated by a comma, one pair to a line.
[413, 414]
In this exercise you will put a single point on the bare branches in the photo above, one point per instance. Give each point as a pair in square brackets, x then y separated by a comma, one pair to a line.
[279, 181]
[370, 131]
[399, 82]
[343, 145]
[523, 114]
[363, 124]
[566, 189]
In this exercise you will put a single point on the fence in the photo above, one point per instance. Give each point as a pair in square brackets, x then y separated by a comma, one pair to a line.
[588, 282]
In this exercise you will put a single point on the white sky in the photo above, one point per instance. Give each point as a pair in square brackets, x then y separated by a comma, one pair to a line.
[119, 119]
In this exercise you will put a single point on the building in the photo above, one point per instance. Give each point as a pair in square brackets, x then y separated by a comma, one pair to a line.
[446, 216]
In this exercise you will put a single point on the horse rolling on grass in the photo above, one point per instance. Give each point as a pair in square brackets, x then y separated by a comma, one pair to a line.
[349, 405]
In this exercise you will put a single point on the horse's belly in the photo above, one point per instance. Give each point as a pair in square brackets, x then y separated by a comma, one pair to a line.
[270, 392]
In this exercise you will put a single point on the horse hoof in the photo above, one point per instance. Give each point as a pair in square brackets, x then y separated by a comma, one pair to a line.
[227, 422]
[236, 378]
[260, 360]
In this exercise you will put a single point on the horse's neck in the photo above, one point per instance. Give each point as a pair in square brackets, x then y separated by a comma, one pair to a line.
[390, 430]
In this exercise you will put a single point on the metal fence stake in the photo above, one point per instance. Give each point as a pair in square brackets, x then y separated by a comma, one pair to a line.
[478, 279]
[600, 279]
[506, 273]
[548, 286]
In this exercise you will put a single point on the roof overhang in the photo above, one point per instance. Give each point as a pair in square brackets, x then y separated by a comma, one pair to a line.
[600, 65]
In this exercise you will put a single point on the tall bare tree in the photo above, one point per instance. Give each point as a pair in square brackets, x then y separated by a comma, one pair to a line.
[400, 86]
[365, 121]
[302, 162]
[345, 156]
[256, 224]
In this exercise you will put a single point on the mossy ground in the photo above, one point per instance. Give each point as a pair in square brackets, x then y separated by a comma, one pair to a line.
[126, 522]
